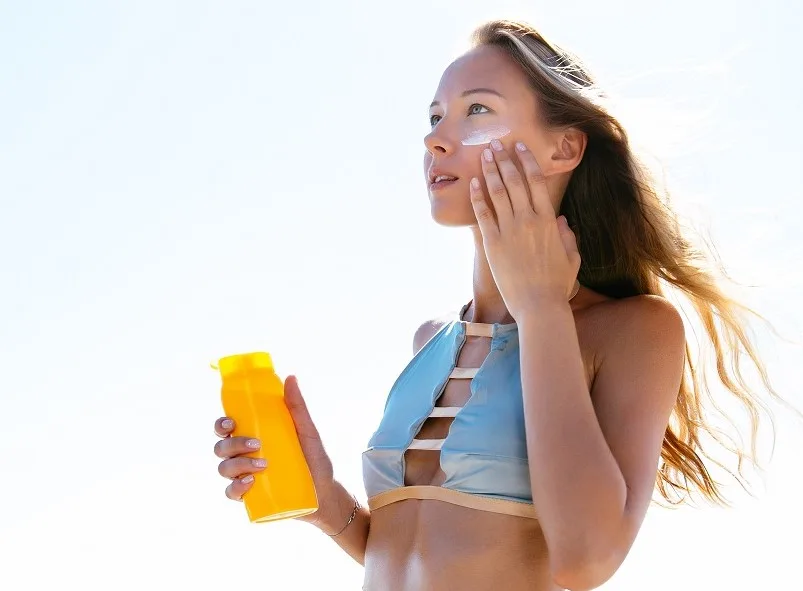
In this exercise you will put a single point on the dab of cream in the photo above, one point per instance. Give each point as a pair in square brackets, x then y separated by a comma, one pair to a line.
[485, 135]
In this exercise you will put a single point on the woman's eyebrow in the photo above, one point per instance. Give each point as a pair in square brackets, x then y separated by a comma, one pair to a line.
[466, 93]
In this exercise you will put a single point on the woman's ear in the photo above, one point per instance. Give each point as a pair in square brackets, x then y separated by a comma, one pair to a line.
[569, 147]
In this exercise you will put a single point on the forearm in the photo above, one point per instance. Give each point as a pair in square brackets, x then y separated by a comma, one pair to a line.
[354, 537]
[578, 489]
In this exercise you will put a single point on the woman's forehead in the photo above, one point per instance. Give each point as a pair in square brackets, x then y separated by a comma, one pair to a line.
[482, 67]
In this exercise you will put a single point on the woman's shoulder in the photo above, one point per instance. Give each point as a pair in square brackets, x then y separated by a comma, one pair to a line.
[636, 310]
[636, 319]
[430, 328]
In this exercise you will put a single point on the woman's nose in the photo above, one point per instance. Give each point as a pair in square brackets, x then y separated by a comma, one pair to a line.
[437, 142]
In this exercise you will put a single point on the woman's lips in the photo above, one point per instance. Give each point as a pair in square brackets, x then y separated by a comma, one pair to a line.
[443, 182]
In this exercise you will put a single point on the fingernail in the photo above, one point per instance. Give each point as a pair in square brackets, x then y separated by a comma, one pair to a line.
[252, 443]
[475, 183]
[488, 155]
[496, 145]
[521, 147]
[259, 462]
[227, 424]
[248, 479]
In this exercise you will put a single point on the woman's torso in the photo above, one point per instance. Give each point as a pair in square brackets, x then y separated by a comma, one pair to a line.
[424, 545]
[419, 545]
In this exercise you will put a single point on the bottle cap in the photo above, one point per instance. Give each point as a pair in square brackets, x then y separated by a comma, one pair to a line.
[232, 364]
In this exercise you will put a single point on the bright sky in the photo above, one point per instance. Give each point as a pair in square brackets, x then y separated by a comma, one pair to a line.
[184, 180]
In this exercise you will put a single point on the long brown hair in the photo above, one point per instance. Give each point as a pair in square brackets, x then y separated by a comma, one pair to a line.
[632, 243]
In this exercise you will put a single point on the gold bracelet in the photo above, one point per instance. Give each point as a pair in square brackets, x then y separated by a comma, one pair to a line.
[351, 517]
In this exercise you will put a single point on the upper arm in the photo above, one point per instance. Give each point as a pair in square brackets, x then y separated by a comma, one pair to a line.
[634, 392]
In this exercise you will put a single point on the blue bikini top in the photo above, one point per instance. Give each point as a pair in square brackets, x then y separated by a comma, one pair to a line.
[484, 455]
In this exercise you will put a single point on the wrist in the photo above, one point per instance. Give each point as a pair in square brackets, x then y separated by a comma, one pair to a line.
[336, 506]
[540, 307]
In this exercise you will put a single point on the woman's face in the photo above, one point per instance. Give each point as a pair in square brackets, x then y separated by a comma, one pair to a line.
[481, 96]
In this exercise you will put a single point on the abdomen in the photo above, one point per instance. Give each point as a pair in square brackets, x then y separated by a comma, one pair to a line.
[428, 545]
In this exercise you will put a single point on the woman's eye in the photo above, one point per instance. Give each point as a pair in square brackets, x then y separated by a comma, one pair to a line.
[475, 109]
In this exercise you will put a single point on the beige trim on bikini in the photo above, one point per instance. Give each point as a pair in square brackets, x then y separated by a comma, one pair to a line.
[426, 444]
[444, 411]
[453, 497]
[478, 329]
[463, 373]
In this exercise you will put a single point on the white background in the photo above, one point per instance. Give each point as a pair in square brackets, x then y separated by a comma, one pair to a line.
[185, 180]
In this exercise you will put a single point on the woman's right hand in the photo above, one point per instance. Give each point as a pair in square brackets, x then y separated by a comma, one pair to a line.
[240, 468]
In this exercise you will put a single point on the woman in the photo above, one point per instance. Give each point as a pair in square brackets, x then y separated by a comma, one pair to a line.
[518, 449]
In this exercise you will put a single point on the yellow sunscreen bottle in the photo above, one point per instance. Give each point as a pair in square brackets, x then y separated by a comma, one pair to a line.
[253, 396]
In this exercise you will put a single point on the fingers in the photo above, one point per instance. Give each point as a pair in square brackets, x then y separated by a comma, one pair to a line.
[238, 488]
[536, 182]
[496, 189]
[515, 187]
[224, 427]
[239, 467]
[236, 446]
[483, 213]
[240, 470]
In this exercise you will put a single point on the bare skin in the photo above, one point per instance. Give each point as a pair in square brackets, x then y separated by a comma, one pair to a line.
[429, 545]
[426, 544]
[418, 545]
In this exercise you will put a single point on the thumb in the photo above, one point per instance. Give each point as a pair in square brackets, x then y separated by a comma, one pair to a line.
[298, 409]
[568, 238]
[307, 432]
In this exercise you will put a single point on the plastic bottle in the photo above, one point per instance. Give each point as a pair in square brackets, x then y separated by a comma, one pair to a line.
[253, 396]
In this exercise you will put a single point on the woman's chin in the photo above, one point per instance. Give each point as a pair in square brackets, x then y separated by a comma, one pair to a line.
[451, 215]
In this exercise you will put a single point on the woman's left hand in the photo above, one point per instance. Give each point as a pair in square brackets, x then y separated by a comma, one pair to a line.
[532, 254]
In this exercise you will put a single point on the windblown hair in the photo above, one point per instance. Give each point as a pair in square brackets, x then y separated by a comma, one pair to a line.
[631, 243]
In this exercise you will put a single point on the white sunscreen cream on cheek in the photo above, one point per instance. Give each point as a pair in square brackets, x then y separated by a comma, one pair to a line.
[485, 135]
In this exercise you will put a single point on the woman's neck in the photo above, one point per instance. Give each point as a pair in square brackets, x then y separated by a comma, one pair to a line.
[487, 305]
